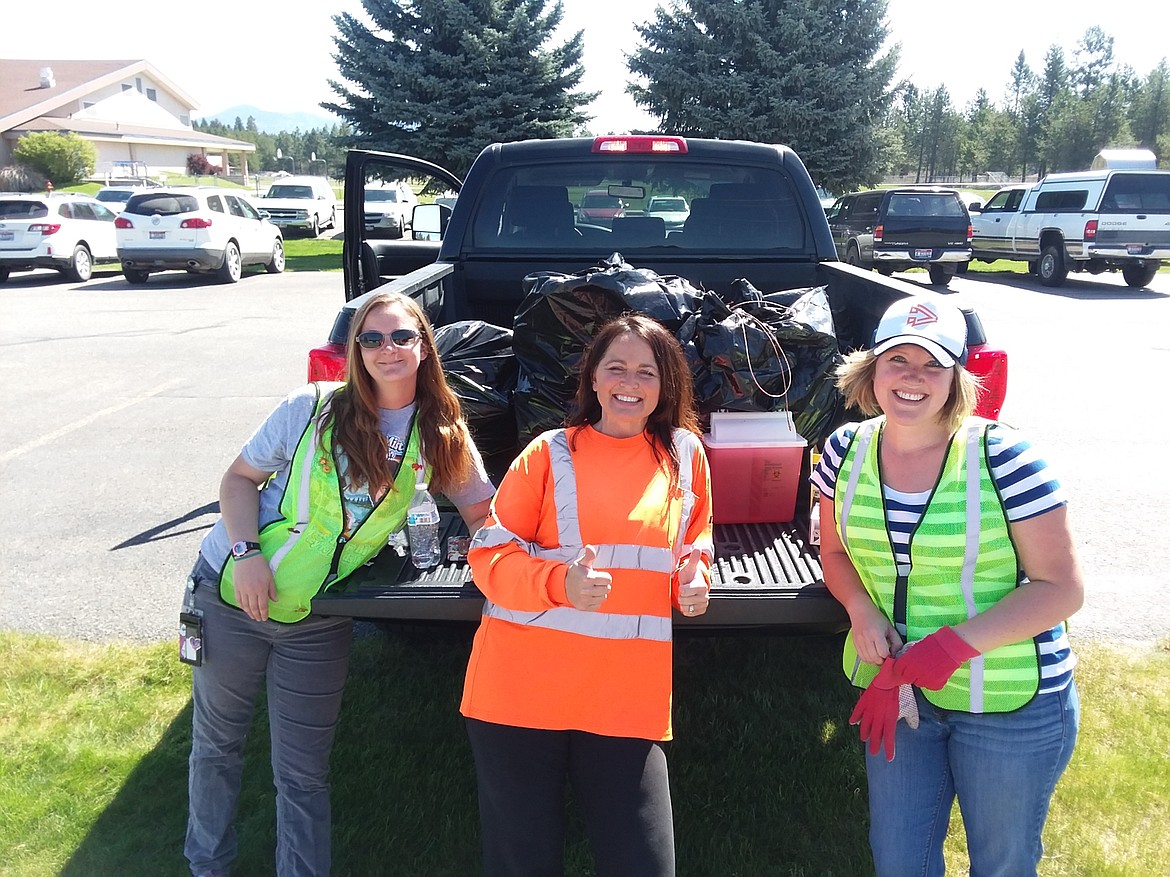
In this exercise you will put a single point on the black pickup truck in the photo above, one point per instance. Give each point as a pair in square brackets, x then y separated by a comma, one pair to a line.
[752, 213]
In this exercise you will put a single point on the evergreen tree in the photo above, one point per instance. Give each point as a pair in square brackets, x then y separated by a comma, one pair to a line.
[810, 75]
[1150, 107]
[442, 79]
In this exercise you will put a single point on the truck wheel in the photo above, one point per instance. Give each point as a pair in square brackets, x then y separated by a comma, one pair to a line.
[939, 276]
[1138, 276]
[3, 275]
[233, 266]
[398, 231]
[135, 276]
[1034, 266]
[81, 265]
[276, 263]
[853, 256]
[962, 267]
[885, 270]
[1052, 269]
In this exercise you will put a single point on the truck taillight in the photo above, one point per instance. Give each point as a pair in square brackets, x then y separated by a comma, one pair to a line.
[195, 222]
[1091, 230]
[45, 228]
[879, 232]
[991, 367]
[639, 143]
[121, 222]
[970, 233]
[327, 362]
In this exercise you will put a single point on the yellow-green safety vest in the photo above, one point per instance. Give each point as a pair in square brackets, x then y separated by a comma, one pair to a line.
[305, 547]
[962, 562]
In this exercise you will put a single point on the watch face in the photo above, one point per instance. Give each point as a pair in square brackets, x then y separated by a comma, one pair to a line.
[242, 548]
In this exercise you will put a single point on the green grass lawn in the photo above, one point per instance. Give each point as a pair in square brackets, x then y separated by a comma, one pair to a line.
[303, 254]
[767, 779]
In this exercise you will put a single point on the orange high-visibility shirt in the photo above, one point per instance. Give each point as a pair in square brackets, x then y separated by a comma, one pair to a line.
[536, 677]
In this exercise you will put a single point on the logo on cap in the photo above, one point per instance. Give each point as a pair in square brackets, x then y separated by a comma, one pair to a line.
[921, 315]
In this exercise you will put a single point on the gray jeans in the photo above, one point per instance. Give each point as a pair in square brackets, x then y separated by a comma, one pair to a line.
[305, 666]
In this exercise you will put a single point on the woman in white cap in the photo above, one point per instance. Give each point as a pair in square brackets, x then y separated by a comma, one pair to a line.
[946, 539]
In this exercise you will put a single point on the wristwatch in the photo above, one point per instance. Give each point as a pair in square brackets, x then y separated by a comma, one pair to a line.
[242, 548]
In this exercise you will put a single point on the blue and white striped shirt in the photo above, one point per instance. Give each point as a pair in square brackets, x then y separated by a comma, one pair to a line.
[1027, 490]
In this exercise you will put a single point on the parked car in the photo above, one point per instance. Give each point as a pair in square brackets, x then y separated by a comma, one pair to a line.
[673, 210]
[598, 207]
[115, 197]
[388, 208]
[200, 229]
[908, 227]
[67, 232]
[307, 204]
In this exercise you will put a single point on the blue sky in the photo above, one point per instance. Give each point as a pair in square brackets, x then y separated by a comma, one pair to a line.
[278, 56]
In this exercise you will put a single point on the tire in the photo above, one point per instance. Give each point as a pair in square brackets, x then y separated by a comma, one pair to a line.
[1051, 268]
[853, 256]
[398, 232]
[135, 276]
[333, 218]
[1033, 266]
[1137, 276]
[885, 270]
[276, 264]
[962, 267]
[3, 275]
[939, 276]
[314, 228]
[80, 265]
[232, 267]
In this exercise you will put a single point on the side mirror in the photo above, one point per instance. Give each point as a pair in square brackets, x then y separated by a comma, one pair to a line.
[974, 208]
[428, 222]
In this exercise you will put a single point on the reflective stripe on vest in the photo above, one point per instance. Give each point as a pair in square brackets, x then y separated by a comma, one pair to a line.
[962, 562]
[602, 625]
[305, 548]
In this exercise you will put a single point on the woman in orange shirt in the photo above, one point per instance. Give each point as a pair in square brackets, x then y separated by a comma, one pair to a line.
[596, 532]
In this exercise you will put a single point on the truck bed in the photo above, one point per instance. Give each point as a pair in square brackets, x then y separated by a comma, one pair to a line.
[755, 565]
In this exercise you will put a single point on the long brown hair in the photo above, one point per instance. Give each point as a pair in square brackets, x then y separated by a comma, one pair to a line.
[446, 442]
[676, 397]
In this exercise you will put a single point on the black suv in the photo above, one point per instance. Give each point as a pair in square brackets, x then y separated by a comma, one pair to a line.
[896, 229]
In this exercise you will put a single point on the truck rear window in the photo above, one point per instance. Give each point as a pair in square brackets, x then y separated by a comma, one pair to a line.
[1130, 193]
[547, 207]
[926, 204]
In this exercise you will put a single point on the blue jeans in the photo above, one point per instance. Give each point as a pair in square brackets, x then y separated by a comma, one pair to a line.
[304, 665]
[1003, 768]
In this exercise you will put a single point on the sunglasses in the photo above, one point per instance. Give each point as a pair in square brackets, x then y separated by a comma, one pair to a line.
[399, 337]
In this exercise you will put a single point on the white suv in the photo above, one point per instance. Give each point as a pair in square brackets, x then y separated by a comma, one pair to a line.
[387, 208]
[197, 229]
[67, 232]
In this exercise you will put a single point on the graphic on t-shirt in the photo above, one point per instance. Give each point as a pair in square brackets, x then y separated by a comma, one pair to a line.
[356, 501]
[395, 448]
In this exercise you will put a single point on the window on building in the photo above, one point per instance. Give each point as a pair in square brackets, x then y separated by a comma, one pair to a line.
[151, 94]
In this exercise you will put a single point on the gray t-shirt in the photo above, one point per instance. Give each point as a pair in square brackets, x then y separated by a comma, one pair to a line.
[271, 448]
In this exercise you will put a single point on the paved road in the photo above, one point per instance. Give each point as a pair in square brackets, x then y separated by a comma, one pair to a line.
[125, 404]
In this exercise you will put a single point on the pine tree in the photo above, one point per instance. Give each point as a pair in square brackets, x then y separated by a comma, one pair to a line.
[782, 71]
[442, 79]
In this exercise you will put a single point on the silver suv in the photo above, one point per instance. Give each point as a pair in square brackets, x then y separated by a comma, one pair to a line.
[67, 232]
[197, 229]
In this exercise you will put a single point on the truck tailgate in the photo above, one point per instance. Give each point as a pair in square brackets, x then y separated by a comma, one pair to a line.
[765, 574]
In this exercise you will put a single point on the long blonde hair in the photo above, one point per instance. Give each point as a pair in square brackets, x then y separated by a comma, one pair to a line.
[446, 442]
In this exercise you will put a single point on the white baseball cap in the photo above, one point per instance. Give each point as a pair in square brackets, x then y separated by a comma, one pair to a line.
[936, 326]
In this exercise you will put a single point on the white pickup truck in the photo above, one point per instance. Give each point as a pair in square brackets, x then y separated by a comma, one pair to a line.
[305, 203]
[1094, 221]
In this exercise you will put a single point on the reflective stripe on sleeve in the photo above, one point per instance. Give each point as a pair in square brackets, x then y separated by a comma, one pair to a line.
[600, 625]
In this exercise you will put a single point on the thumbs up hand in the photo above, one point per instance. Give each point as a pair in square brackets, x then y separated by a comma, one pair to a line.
[586, 587]
[694, 594]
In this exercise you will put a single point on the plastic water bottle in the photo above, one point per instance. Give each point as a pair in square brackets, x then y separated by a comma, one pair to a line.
[422, 528]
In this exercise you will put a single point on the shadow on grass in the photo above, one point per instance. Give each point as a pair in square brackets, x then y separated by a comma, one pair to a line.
[766, 777]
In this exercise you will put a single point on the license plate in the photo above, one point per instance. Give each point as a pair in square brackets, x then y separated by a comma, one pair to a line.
[1135, 249]
[923, 254]
[158, 235]
[7, 235]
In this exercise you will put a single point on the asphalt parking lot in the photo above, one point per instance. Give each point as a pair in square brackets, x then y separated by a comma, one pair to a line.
[125, 404]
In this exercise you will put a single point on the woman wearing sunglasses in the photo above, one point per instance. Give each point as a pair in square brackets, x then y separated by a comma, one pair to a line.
[313, 495]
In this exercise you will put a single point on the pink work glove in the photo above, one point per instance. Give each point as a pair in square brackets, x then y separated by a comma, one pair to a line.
[932, 660]
[877, 710]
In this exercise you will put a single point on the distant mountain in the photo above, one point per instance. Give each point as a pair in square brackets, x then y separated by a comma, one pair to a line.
[273, 123]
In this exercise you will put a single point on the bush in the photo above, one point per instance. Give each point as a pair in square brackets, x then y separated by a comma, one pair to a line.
[63, 158]
[199, 166]
[18, 178]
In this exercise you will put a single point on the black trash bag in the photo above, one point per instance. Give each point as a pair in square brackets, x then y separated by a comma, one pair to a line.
[479, 364]
[767, 352]
[560, 315]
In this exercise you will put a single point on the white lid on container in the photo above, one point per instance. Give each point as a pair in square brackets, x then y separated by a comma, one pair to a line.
[754, 429]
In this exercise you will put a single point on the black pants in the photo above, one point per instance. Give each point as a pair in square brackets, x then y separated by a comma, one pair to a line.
[620, 784]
